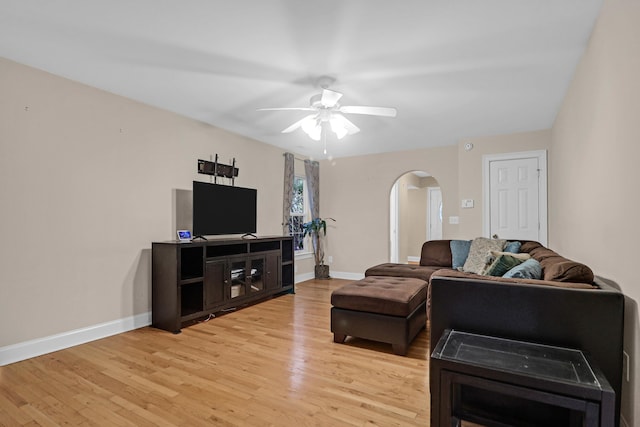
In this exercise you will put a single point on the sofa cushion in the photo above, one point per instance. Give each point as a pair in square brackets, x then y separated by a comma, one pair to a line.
[459, 252]
[503, 262]
[530, 269]
[480, 249]
[436, 253]
[402, 270]
[394, 296]
[529, 245]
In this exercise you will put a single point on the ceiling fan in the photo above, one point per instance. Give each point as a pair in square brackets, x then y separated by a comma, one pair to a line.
[327, 112]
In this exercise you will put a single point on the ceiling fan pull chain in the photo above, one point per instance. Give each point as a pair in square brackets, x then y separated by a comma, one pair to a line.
[324, 139]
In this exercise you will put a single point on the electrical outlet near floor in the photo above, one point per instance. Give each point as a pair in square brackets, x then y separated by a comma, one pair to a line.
[330, 259]
[625, 366]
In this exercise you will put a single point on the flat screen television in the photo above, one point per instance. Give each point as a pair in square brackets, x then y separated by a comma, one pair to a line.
[223, 209]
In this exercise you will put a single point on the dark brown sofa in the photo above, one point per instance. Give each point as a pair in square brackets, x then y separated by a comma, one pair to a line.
[568, 307]
[587, 319]
[436, 257]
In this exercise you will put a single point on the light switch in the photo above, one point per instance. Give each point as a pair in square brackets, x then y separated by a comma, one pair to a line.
[467, 203]
[454, 220]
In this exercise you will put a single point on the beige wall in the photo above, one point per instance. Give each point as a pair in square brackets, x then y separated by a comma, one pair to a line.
[418, 239]
[411, 216]
[361, 235]
[416, 230]
[87, 182]
[594, 173]
[470, 171]
[355, 191]
[403, 214]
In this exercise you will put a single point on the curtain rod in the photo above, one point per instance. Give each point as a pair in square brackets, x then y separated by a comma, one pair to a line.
[296, 158]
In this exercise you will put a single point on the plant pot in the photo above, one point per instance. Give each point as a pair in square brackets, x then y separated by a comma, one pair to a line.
[322, 271]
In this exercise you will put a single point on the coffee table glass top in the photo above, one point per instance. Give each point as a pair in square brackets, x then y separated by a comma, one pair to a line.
[560, 364]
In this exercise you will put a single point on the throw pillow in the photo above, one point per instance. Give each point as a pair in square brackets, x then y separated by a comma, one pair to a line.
[478, 252]
[530, 269]
[503, 262]
[459, 252]
[513, 247]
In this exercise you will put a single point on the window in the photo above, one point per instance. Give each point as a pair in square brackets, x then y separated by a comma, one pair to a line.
[299, 213]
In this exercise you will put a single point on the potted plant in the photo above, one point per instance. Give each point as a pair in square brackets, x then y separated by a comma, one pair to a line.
[317, 228]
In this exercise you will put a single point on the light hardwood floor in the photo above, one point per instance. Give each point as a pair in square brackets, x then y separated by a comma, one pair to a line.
[271, 364]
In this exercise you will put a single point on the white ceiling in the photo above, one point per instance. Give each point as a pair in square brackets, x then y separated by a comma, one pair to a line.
[452, 68]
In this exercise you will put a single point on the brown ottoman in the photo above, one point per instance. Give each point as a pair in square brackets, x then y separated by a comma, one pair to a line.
[380, 308]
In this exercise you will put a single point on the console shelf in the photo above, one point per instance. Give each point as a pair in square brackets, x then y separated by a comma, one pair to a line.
[192, 280]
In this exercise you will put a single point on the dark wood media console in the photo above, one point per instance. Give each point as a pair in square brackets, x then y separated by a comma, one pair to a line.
[192, 280]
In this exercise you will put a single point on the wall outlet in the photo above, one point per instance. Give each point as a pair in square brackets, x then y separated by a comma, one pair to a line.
[454, 220]
[295, 268]
[625, 366]
[330, 259]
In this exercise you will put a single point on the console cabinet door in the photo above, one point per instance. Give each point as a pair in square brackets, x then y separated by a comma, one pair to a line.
[272, 271]
[240, 277]
[256, 274]
[215, 280]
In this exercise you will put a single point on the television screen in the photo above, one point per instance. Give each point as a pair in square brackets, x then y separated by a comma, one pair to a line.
[222, 209]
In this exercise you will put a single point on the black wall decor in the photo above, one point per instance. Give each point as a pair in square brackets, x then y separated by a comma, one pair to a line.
[218, 169]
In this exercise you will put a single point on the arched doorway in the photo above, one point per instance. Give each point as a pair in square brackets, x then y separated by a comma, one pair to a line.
[415, 214]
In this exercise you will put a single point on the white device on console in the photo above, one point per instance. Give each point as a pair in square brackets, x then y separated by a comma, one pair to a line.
[184, 235]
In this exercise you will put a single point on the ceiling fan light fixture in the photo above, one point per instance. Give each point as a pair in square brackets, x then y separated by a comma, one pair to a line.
[327, 114]
[311, 126]
[338, 127]
[316, 133]
[309, 123]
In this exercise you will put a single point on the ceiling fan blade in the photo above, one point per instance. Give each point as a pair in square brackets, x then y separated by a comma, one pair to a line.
[373, 111]
[287, 109]
[297, 124]
[330, 98]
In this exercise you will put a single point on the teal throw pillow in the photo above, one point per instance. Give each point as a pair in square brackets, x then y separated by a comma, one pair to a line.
[530, 269]
[501, 262]
[459, 252]
[513, 247]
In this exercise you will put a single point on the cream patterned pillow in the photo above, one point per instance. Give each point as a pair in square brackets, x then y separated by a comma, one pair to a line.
[481, 248]
[501, 262]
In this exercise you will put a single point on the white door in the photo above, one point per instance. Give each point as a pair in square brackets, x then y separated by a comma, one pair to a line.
[434, 213]
[393, 225]
[516, 205]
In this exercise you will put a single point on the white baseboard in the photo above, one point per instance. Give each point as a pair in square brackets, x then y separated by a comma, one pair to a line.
[346, 275]
[413, 259]
[334, 274]
[304, 277]
[37, 347]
